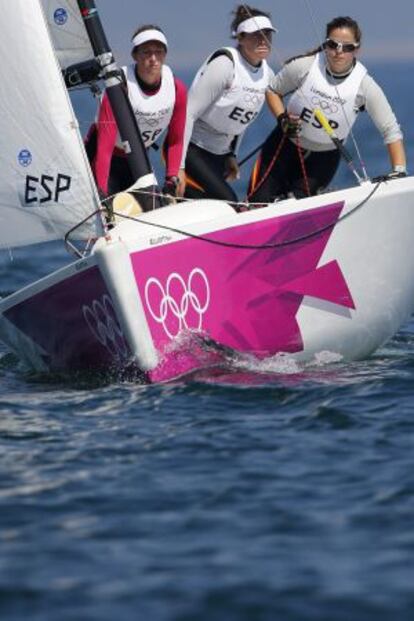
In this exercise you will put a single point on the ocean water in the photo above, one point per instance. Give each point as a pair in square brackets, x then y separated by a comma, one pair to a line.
[260, 492]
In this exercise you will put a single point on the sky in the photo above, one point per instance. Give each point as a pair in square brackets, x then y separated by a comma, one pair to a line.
[194, 28]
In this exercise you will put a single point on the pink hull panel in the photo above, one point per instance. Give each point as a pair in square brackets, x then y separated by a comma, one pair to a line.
[245, 299]
[73, 323]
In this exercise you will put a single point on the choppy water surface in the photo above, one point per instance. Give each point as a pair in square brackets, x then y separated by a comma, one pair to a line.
[258, 491]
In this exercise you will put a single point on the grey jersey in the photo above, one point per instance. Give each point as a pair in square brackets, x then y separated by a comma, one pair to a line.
[370, 95]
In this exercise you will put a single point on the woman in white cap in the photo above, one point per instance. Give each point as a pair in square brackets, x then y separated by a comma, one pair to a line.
[158, 99]
[226, 96]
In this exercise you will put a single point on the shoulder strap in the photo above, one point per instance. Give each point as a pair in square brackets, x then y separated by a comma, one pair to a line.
[222, 52]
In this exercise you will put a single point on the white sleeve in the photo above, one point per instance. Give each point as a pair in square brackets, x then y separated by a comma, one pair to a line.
[208, 88]
[379, 110]
[291, 76]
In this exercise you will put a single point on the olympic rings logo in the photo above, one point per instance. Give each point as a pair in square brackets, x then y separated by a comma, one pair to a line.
[102, 322]
[144, 119]
[180, 305]
[149, 122]
[255, 100]
[325, 106]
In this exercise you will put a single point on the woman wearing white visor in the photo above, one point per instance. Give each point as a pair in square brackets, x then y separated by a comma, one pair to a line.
[226, 96]
[159, 100]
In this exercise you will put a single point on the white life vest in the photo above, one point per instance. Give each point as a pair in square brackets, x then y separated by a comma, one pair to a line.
[237, 107]
[153, 112]
[337, 102]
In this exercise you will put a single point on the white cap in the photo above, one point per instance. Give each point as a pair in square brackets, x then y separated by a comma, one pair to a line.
[149, 35]
[255, 23]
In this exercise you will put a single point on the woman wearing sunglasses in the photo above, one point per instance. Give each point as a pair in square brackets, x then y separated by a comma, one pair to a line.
[299, 157]
[226, 96]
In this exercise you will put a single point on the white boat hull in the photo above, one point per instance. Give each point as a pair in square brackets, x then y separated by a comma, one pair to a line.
[328, 273]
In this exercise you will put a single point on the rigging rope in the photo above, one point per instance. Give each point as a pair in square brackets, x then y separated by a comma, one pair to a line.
[271, 246]
[302, 165]
[268, 169]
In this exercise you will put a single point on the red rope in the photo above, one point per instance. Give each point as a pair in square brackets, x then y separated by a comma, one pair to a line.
[272, 162]
[269, 168]
[302, 165]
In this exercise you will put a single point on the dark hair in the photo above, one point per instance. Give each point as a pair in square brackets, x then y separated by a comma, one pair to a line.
[336, 22]
[142, 29]
[243, 12]
[344, 22]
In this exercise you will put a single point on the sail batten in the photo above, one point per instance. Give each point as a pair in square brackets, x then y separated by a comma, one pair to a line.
[46, 186]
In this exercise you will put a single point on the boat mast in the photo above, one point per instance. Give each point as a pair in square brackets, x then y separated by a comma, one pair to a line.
[136, 153]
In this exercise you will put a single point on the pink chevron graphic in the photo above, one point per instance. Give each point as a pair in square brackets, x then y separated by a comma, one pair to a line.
[326, 283]
[255, 293]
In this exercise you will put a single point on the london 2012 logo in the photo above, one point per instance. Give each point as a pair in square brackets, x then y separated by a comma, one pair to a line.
[180, 303]
[60, 16]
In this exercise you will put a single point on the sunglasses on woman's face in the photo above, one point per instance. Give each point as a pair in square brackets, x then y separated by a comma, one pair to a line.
[339, 46]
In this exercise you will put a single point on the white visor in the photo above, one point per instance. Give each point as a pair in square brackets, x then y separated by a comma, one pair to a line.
[253, 24]
[149, 35]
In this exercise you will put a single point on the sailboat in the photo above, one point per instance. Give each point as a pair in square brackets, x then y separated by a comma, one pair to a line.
[328, 273]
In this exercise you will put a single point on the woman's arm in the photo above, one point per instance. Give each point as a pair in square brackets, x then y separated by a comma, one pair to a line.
[175, 136]
[275, 103]
[217, 76]
[382, 115]
[397, 157]
[106, 139]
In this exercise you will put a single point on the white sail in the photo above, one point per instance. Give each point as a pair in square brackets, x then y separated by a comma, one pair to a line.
[46, 186]
[69, 36]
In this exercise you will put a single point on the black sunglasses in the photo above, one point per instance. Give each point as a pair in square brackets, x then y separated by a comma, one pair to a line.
[341, 47]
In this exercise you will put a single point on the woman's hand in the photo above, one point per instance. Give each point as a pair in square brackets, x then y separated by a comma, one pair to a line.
[175, 186]
[290, 124]
[231, 169]
[181, 183]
